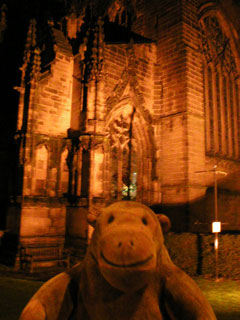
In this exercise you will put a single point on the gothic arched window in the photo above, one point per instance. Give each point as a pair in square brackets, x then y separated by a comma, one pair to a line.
[41, 170]
[123, 158]
[221, 91]
[64, 173]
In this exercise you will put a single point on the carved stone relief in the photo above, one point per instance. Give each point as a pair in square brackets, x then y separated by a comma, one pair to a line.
[118, 133]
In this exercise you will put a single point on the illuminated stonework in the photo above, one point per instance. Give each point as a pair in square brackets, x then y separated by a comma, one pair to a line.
[132, 96]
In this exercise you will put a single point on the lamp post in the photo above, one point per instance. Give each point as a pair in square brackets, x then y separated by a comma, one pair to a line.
[216, 225]
[216, 228]
[216, 221]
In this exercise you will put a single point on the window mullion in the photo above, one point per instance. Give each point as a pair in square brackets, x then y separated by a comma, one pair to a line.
[119, 176]
[229, 120]
[238, 110]
[215, 113]
[235, 119]
[223, 115]
[207, 77]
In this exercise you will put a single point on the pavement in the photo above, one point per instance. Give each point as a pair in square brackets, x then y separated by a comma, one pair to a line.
[42, 274]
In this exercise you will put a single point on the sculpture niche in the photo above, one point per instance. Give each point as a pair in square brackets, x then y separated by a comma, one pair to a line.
[126, 274]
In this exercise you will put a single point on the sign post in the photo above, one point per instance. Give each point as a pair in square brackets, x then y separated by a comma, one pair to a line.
[216, 228]
[216, 225]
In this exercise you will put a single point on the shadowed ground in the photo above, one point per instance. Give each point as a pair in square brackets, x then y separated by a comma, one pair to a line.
[17, 288]
[224, 297]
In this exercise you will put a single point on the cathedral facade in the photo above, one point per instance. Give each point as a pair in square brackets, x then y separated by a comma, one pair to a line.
[135, 100]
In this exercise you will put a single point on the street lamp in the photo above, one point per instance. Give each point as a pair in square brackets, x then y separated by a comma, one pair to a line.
[216, 225]
[216, 228]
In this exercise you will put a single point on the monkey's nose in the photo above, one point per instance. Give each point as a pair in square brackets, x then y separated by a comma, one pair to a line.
[127, 243]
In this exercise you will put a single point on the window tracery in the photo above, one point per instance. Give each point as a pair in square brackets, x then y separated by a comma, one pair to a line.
[121, 145]
[221, 87]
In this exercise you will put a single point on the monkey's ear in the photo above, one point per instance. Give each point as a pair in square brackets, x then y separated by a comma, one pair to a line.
[91, 219]
[164, 222]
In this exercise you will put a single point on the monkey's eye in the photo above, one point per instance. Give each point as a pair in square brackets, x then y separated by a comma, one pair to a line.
[144, 221]
[110, 219]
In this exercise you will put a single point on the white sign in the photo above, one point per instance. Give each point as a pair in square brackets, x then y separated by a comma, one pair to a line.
[216, 226]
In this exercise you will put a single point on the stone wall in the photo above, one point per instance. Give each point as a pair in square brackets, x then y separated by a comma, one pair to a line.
[40, 210]
[72, 115]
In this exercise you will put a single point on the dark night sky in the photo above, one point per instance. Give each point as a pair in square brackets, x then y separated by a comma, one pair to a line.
[19, 12]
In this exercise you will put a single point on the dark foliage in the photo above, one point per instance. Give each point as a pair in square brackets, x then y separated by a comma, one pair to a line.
[195, 254]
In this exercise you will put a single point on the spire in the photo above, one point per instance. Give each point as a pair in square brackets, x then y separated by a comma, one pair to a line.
[3, 21]
[32, 60]
[74, 17]
[75, 6]
[117, 7]
[36, 66]
[92, 51]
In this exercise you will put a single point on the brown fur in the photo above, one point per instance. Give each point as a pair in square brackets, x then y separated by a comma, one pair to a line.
[126, 274]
